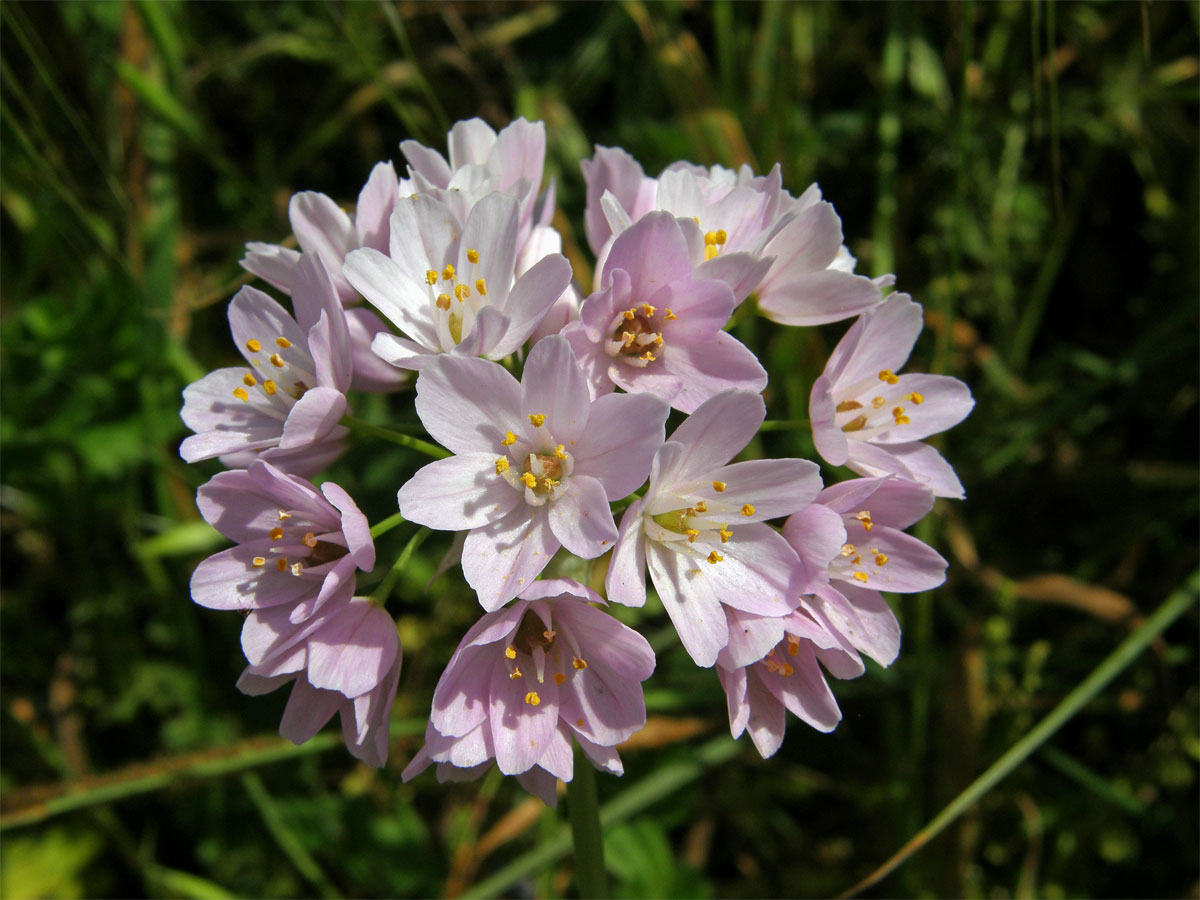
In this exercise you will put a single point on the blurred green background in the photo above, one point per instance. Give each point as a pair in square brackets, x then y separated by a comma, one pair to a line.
[1029, 172]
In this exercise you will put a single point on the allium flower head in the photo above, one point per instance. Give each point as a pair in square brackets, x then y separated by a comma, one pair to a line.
[285, 408]
[700, 528]
[297, 547]
[872, 420]
[536, 463]
[450, 287]
[528, 679]
[656, 328]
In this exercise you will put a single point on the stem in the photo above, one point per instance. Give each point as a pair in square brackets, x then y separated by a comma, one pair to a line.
[404, 440]
[381, 528]
[585, 829]
[381, 593]
[1116, 662]
[785, 425]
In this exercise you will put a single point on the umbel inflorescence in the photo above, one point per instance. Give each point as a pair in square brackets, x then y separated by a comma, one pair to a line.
[553, 407]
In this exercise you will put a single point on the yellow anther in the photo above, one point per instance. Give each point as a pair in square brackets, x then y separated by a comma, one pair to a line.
[709, 252]
[748, 509]
[549, 636]
[658, 342]
[579, 721]
[916, 398]
[578, 663]
[897, 412]
[481, 286]
[722, 237]
[715, 557]
[310, 540]
[510, 652]
[787, 670]
[725, 533]
[865, 518]
[560, 452]
[431, 276]
[281, 564]
[259, 562]
[877, 402]
[509, 439]
[701, 507]
[249, 380]
[901, 420]
[269, 386]
[529, 480]
[253, 345]
[276, 534]
[647, 357]
[718, 486]
[848, 550]
[710, 238]
[559, 678]
[848, 405]
[629, 315]
[297, 568]
[241, 394]
[855, 424]
[881, 559]
[515, 673]
[473, 255]
[537, 420]
[448, 273]
[696, 219]
[284, 514]
[857, 561]
[793, 646]
[277, 360]
[860, 576]
[551, 483]
[283, 342]
[532, 698]
[501, 465]
[670, 316]
[886, 375]
[692, 534]
[462, 292]
[648, 310]
[443, 301]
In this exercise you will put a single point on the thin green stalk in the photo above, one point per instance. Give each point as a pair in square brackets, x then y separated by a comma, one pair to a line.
[584, 812]
[404, 440]
[381, 528]
[381, 593]
[286, 841]
[785, 425]
[1127, 651]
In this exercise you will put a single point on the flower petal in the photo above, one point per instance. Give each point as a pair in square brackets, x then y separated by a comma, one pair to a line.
[623, 433]
[626, 579]
[697, 616]
[581, 518]
[467, 405]
[457, 493]
[553, 385]
[501, 558]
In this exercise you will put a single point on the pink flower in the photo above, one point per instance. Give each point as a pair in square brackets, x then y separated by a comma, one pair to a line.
[323, 229]
[536, 463]
[656, 328]
[451, 287]
[803, 276]
[296, 547]
[700, 528]
[286, 407]
[852, 533]
[866, 417]
[528, 679]
[345, 659]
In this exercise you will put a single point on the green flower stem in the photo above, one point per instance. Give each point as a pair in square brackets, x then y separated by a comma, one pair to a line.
[1127, 651]
[785, 425]
[404, 440]
[381, 593]
[584, 812]
[381, 528]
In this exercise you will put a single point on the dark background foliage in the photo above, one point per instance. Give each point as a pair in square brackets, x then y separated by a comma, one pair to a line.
[1029, 172]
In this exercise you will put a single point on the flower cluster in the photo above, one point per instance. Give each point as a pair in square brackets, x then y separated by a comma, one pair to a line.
[552, 404]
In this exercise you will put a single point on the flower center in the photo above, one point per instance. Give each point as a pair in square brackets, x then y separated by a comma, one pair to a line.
[320, 552]
[451, 291]
[875, 408]
[274, 375]
[637, 334]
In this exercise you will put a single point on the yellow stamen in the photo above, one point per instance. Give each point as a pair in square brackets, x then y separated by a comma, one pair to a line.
[284, 514]
[902, 420]
[718, 486]
[915, 398]
[578, 663]
[297, 569]
[701, 507]
[241, 394]
[276, 534]
[647, 356]
[855, 424]
[692, 534]
[886, 375]
[715, 557]
[709, 252]
[283, 343]
[510, 652]
[848, 405]
[448, 273]
[269, 386]
[481, 286]
[259, 562]
[281, 564]
[509, 439]
[725, 533]
[537, 419]
[848, 550]
[670, 316]
[277, 360]
[559, 678]
[515, 673]
[881, 559]
[861, 576]
[501, 465]
[748, 509]
[560, 452]
[710, 238]
[649, 310]
[532, 698]
[473, 255]
[431, 276]
[877, 402]
[865, 518]
[443, 301]
[721, 236]
[249, 380]
[253, 345]
[310, 540]
[462, 292]
[529, 480]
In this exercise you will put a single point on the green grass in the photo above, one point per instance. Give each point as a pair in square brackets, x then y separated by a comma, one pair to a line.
[1029, 172]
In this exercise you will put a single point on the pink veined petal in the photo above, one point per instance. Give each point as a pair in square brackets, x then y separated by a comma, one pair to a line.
[770, 487]
[702, 308]
[371, 373]
[230, 580]
[886, 340]
[767, 720]
[470, 142]
[553, 385]
[531, 298]
[626, 579]
[581, 518]
[272, 263]
[831, 442]
[486, 335]
[501, 558]
[592, 359]
[400, 352]
[321, 227]
[541, 784]
[313, 417]
[491, 231]
[601, 307]
[329, 341]
[759, 572]
[697, 617]
[805, 693]
[741, 271]
[467, 405]
[294, 493]
[354, 525]
[424, 235]
[558, 759]
[523, 715]
[652, 251]
[393, 292]
[313, 291]
[307, 711]
[518, 157]
[253, 684]
[705, 370]
[890, 561]
[254, 316]
[457, 493]
[658, 381]
[609, 169]
[623, 433]
[733, 682]
[808, 243]
[429, 163]
[224, 423]
[716, 432]
[270, 631]
[354, 650]
[461, 697]
[817, 534]
[607, 643]
[245, 508]
[376, 201]
[946, 402]
[604, 758]
[817, 298]
[366, 731]
[917, 462]
[308, 460]
[895, 502]
[864, 618]
[612, 708]
[751, 637]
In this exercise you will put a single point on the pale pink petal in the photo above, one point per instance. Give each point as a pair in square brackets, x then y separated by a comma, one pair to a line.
[558, 759]
[759, 573]
[697, 616]
[917, 462]
[652, 250]
[354, 650]
[523, 715]
[733, 681]
[307, 711]
[485, 335]
[272, 263]
[808, 243]
[751, 637]
[805, 693]
[429, 163]
[460, 699]
[715, 432]
[890, 560]
[467, 405]
[886, 340]
[500, 559]
[741, 271]
[491, 231]
[371, 373]
[626, 579]
[470, 142]
[817, 298]
[865, 619]
[593, 361]
[354, 526]
[771, 487]
[393, 293]
[457, 493]
[717, 365]
[531, 298]
[609, 169]
[767, 720]
[230, 580]
[946, 402]
[541, 784]
[254, 316]
[552, 385]
[831, 442]
[895, 502]
[817, 534]
[581, 518]
[375, 203]
[313, 417]
[401, 353]
[623, 432]
[321, 227]
[608, 644]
